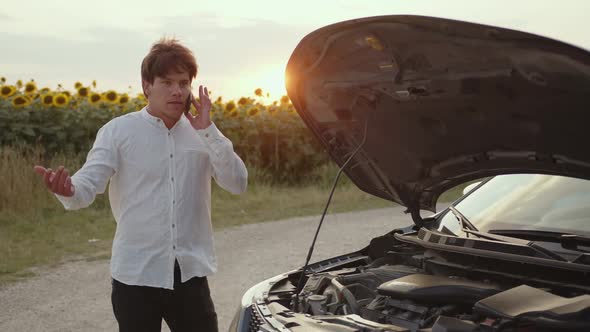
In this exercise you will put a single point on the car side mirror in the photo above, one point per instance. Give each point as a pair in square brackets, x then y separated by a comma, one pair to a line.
[470, 187]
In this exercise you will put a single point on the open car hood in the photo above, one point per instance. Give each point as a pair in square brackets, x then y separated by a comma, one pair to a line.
[441, 102]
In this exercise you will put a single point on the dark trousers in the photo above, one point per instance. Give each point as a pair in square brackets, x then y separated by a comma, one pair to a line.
[186, 308]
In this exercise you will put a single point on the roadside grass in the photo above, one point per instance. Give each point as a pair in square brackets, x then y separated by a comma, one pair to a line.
[51, 237]
[35, 230]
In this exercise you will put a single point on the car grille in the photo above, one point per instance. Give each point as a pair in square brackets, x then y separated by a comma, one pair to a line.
[256, 320]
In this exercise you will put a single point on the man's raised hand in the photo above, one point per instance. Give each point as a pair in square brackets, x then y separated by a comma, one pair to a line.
[203, 105]
[58, 182]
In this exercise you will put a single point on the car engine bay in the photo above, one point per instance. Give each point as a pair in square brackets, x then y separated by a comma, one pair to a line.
[397, 286]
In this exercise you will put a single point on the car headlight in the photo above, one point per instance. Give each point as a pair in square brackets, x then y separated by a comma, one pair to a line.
[243, 316]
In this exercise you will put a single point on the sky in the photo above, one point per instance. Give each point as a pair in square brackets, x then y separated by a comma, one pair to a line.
[239, 45]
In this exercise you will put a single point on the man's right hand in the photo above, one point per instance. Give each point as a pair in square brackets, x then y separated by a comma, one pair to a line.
[58, 182]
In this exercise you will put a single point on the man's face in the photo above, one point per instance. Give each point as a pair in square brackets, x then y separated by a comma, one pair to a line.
[167, 96]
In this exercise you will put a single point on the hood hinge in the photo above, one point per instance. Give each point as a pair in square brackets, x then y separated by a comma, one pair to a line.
[415, 213]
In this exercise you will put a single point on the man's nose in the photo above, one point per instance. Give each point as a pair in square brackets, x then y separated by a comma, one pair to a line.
[176, 89]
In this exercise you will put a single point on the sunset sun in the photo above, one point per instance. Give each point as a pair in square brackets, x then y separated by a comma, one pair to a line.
[271, 79]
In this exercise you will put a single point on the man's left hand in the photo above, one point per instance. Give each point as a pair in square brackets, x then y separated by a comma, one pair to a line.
[203, 119]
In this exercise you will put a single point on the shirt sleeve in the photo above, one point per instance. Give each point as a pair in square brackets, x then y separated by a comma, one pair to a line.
[101, 163]
[229, 170]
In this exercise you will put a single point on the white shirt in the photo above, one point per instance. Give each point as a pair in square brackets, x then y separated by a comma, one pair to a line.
[160, 194]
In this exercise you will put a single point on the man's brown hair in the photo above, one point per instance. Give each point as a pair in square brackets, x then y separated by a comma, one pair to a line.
[166, 55]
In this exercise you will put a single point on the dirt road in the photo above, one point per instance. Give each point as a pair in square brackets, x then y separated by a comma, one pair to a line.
[76, 296]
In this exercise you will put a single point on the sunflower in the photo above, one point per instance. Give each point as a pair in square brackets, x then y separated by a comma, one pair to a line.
[94, 83]
[44, 90]
[19, 84]
[95, 97]
[233, 113]
[284, 99]
[123, 99]
[61, 99]
[218, 100]
[230, 106]
[7, 90]
[258, 92]
[253, 111]
[47, 99]
[30, 87]
[272, 110]
[20, 101]
[83, 91]
[111, 96]
[67, 93]
[78, 85]
[2, 80]
[243, 101]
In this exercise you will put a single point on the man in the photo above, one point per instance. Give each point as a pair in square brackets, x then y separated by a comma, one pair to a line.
[160, 162]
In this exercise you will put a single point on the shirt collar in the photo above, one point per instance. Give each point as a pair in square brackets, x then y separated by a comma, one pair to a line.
[158, 122]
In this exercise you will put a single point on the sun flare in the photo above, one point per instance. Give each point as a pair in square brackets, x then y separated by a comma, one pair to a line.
[271, 79]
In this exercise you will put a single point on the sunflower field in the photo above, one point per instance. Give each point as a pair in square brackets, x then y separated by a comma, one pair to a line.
[267, 135]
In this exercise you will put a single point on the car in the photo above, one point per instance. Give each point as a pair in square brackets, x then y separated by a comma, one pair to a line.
[409, 107]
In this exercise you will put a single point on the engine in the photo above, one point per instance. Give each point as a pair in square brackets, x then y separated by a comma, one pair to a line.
[402, 291]
[393, 294]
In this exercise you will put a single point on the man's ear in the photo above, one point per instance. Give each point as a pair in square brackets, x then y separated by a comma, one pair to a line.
[146, 88]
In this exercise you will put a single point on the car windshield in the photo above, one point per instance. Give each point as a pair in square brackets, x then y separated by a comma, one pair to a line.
[526, 201]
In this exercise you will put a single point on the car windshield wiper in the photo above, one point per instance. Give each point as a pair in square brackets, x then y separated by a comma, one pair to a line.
[567, 240]
[465, 223]
[469, 228]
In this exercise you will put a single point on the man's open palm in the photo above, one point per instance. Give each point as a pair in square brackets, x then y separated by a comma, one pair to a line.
[58, 182]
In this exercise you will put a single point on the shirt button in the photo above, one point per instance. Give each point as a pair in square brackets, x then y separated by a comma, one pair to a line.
[173, 202]
[174, 247]
[173, 225]
[206, 135]
[171, 155]
[172, 179]
[158, 120]
[168, 134]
